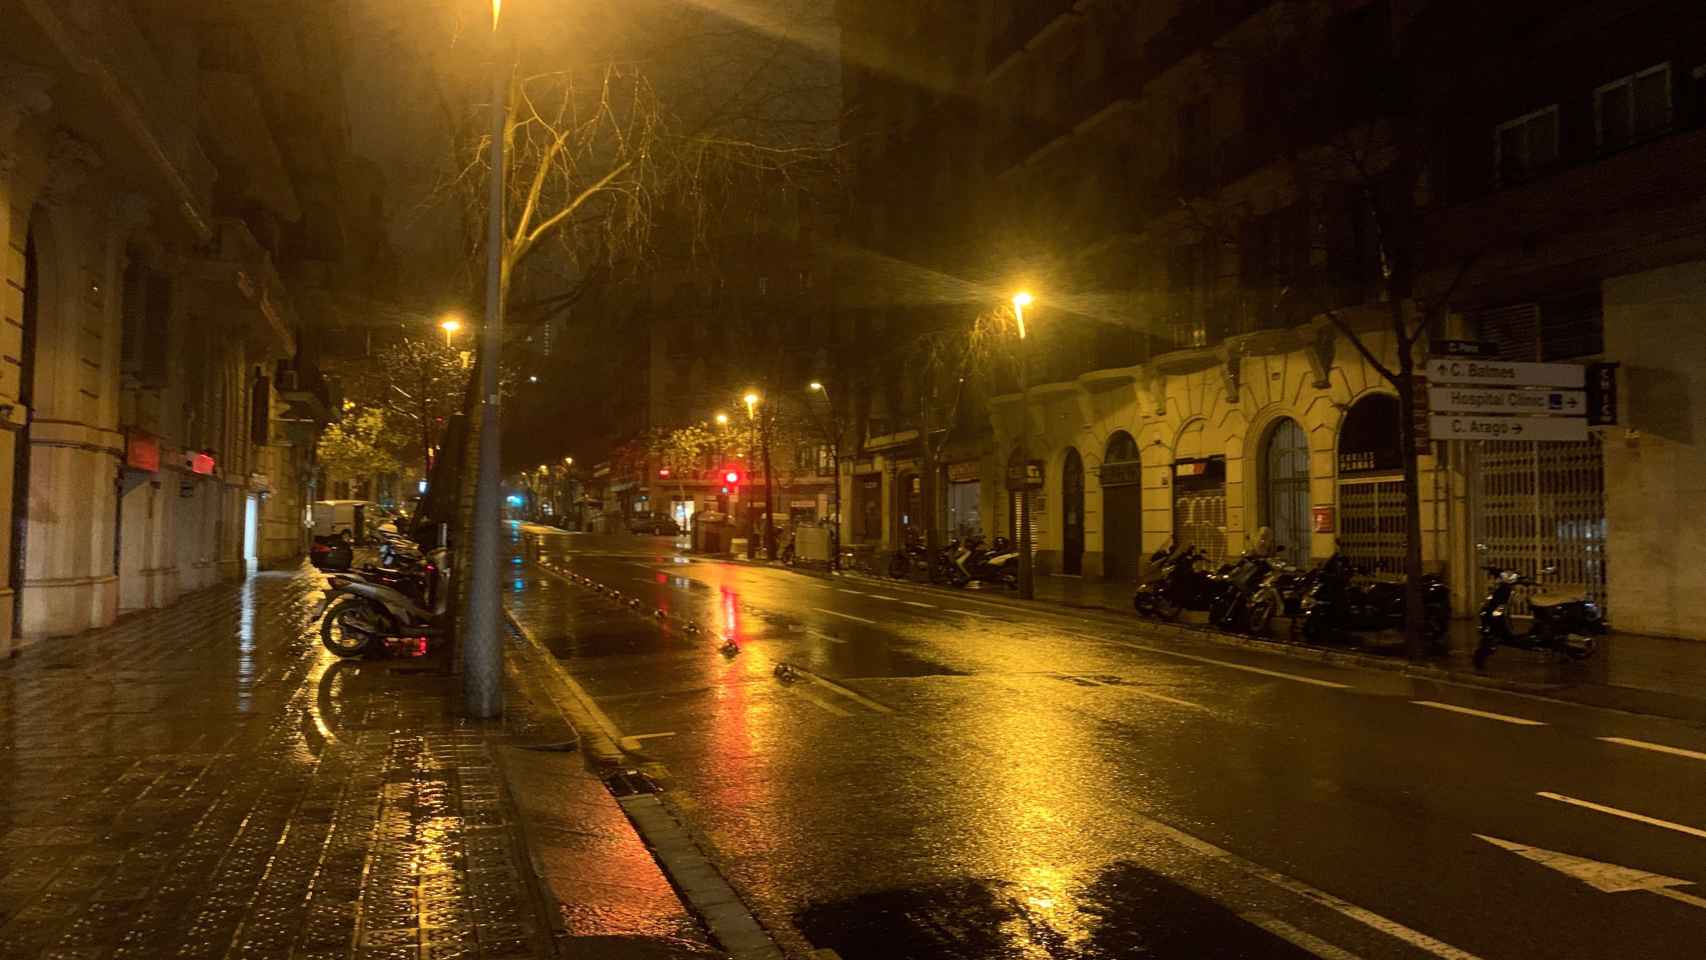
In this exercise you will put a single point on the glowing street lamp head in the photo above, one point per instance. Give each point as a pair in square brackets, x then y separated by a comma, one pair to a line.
[497, 12]
[450, 325]
[750, 399]
[533, 378]
[722, 419]
[1021, 299]
[568, 461]
[816, 385]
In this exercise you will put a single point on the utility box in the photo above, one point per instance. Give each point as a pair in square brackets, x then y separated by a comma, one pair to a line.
[711, 532]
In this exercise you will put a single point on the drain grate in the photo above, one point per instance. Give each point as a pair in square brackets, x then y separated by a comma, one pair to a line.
[630, 783]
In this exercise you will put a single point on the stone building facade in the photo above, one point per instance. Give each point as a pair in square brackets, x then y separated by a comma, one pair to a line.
[1140, 169]
[158, 404]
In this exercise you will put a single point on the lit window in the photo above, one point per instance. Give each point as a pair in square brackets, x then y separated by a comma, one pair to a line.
[1632, 107]
[1527, 144]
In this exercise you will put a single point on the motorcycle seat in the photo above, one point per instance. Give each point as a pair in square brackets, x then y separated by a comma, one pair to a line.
[1551, 599]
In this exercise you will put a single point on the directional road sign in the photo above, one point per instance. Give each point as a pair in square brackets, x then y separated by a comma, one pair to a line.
[1545, 429]
[1495, 400]
[1505, 373]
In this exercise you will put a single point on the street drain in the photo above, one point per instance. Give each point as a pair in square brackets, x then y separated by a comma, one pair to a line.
[630, 783]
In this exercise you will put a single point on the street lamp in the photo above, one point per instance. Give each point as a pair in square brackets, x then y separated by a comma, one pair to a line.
[533, 378]
[722, 419]
[751, 401]
[1027, 583]
[449, 325]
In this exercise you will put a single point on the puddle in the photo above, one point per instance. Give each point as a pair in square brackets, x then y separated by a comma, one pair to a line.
[853, 662]
[1125, 911]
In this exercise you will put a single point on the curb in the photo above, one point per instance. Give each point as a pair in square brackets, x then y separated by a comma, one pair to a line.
[1601, 696]
[598, 740]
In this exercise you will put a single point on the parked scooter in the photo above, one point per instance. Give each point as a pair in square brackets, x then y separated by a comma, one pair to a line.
[973, 562]
[1563, 623]
[1338, 603]
[358, 616]
[912, 559]
[1177, 584]
[1230, 608]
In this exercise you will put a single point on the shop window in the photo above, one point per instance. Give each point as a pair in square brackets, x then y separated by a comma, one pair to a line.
[1526, 145]
[1630, 108]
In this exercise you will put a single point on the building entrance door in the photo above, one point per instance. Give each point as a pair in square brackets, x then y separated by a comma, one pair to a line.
[251, 532]
[1285, 494]
[1122, 508]
[1072, 514]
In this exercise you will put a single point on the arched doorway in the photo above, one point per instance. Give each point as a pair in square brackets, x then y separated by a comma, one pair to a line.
[1199, 494]
[1285, 488]
[1371, 485]
[1072, 513]
[1122, 507]
[21, 447]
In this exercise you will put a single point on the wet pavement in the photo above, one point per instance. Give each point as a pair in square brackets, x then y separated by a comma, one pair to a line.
[896, 772]
[208, 781]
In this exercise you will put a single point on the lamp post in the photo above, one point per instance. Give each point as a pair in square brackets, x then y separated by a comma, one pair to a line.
[751, 401]
[450, 325]
[1027, 583]
[482, 648]
[834, 450]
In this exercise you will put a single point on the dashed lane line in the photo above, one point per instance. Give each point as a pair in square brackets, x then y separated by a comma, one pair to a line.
[1625, 814]
[1655, 747]
[1483, 714]
[845, 616]
[856, 593]
[878, 596]
[915, 603]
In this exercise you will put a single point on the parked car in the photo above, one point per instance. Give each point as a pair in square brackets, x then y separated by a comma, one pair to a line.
[656, 525]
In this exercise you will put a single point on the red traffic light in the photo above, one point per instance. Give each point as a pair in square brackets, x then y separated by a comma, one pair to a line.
[663, 471]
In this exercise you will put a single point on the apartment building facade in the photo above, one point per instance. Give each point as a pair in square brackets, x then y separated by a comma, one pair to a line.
[1211, 308]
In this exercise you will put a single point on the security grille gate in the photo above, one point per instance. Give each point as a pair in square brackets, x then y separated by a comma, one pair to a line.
[1371, 524]
[1199, 506]
[1538, 505]
[1542, 505]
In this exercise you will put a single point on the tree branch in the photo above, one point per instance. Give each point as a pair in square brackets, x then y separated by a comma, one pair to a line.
[525, 244]
[1356, 341]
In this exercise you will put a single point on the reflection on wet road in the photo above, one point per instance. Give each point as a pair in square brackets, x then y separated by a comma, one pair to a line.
[895, 771]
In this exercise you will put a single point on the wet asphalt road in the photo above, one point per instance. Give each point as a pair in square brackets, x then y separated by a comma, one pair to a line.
[952, 777]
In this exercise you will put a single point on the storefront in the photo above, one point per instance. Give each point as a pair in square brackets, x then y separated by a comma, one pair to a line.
[1371, 485]
[1121, 477]
[963, 500]
[867, 503]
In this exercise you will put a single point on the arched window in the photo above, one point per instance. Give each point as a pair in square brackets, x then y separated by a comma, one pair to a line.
[1285, 488]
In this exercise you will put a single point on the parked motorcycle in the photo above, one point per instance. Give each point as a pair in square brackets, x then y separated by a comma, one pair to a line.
[359, 617]
[1563, 623]
[912, 559]
[1176, 583]
[1338, 603]
[1230, 608]
[996, 563]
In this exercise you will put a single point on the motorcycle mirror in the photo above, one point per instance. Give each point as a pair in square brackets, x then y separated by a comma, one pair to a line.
[1549, 570]
[1480, 548]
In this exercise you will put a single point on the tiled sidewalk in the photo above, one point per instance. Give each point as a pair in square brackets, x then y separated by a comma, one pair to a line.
[206, 781]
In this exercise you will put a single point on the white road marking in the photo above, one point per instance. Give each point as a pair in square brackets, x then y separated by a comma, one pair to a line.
[847, 616]
[1228, 664]
[832, 708]
[878, 596]
[834, 687]
[856, 593]
[1297, 938]
[1366, 917]
[915, 603]
[632, 744]
[1485, 715]
[1164, 698]
[1625, 814]
[1655, 747]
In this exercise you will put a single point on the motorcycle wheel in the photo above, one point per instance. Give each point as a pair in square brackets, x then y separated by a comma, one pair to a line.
[897, 566]
[350, 628]
[1582, 650]
[1260, 616]
[1165, 608]
[1221, 610]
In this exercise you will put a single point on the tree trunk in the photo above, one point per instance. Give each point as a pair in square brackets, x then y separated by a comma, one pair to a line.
[927, 471]
[1415, 642]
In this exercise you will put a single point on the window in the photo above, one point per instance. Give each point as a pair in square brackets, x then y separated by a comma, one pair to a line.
[1527, 145]
[1636, 106]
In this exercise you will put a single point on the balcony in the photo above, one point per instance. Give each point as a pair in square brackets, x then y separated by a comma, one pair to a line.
[1030, 17]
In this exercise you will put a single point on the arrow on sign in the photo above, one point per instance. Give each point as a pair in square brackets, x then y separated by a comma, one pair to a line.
[1604, 877]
